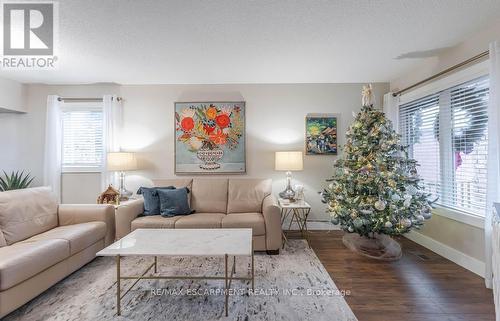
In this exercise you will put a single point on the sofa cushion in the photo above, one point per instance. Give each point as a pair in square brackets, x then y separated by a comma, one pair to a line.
[23, 260]
[255, 221]
[209, 195]
[200, 220]
[154, 222]
[247, 195]
[80, 236]
[27, 212]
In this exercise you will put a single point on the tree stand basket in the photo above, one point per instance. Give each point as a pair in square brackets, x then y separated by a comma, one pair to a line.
[379, 247]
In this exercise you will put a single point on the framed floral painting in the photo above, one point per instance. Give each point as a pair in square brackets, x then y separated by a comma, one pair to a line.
[321, 134]
[210, 137]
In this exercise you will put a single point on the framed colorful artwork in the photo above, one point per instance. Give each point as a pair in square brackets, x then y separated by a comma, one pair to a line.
[321, 134]
[210, 137]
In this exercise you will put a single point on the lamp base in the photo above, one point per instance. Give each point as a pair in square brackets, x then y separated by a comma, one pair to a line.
[124, 194]
[288, 194]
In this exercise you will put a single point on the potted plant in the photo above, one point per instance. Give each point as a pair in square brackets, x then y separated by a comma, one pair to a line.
[15, 180]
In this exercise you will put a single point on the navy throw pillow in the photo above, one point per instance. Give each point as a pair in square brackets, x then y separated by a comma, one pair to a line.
[151, 199]
[174, 202]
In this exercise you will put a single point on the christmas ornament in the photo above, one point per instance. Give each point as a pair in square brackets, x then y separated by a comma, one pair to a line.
[427, 215]
[366, 212]
[411, 190]
[406, 222]
[358, 223]
[396, 197]
[388, 224]
[379, 205]
[367, 96]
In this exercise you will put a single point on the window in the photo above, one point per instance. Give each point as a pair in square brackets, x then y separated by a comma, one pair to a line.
[82, 138]
[447, 134]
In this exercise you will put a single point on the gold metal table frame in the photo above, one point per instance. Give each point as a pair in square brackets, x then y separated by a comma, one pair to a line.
[228, 278]
[299, 215]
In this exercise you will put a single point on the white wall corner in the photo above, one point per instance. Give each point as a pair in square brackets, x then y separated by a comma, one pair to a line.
[462, 259]
[13, 96]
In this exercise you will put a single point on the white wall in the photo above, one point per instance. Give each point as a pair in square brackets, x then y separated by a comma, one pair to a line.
[10, 141]
[12, 104]
[275, 120]
[12, 96]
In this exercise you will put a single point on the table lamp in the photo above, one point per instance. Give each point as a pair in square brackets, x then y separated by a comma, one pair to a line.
[288, 161]
[122, 162]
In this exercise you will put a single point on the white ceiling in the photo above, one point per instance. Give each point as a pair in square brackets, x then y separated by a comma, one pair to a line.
[261, 41]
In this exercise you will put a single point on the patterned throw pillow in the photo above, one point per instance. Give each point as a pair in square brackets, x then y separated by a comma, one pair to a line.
[151, 199]
[174, 202]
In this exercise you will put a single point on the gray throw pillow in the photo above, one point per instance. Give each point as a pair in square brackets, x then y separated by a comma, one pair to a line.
[151, 199]
[174, 202]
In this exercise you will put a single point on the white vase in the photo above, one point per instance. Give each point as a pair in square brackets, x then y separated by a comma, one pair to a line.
[209, 157]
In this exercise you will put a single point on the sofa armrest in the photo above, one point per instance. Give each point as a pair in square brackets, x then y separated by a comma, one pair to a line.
[125, 214]
[70, 214]
[272, 219]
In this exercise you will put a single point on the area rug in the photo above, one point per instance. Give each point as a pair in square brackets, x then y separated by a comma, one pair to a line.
[291, 286]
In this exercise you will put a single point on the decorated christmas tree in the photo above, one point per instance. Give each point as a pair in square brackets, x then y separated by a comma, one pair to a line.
[375, 188]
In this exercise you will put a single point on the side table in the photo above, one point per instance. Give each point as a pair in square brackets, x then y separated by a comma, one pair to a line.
[299, 212]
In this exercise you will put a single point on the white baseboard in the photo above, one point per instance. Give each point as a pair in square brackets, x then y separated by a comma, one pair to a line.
[468, 262]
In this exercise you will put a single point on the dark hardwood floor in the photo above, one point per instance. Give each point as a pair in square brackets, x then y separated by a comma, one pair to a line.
[420, 286]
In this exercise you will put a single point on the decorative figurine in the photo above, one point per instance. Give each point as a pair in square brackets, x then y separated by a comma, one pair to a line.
[109, 196]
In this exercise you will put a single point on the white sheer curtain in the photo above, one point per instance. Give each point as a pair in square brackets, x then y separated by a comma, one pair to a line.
[53, 146]
[113, 121]
[391, 109]
[493, 194]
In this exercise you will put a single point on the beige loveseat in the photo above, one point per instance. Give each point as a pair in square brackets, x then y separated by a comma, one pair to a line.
[219, 203]
[41, 242]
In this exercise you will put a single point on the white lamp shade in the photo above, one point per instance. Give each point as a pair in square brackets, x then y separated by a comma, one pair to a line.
[121, 161]
[288, 161]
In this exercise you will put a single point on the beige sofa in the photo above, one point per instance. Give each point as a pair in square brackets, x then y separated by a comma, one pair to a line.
[41, 242]
[219, 203]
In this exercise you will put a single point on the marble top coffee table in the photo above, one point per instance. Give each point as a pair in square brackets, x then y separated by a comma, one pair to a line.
[182, 242]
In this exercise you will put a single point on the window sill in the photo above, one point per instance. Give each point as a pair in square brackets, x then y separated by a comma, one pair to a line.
[462, 217]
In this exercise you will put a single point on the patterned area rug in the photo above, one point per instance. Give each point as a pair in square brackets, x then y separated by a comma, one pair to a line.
[291, 286]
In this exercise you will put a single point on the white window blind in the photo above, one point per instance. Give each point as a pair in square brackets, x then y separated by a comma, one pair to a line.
[447, 134]
[82, 139]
